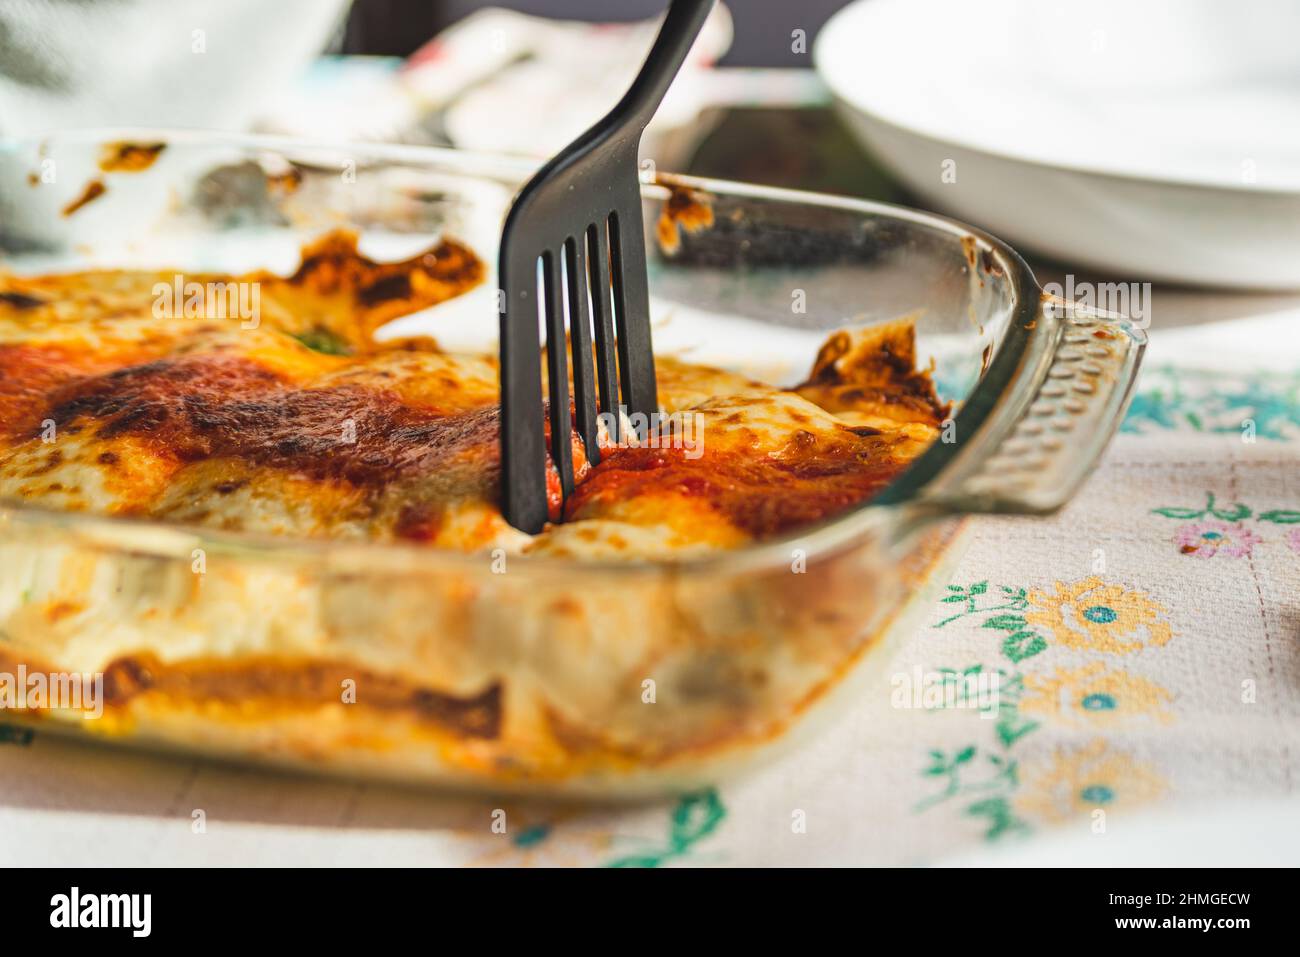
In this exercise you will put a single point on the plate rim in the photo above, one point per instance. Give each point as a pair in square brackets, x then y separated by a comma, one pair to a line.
[835, 31]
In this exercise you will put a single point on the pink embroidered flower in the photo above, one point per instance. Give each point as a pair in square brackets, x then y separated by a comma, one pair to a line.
[1207, 539]
[1293, 540]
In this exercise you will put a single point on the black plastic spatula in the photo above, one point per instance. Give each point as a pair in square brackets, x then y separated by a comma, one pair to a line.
[578, 223]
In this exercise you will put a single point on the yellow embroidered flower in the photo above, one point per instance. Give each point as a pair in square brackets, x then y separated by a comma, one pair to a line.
[1091, 615]
[1095, 696]
[1084, 779]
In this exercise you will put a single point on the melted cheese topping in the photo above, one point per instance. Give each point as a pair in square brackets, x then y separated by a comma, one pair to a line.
[303, 425]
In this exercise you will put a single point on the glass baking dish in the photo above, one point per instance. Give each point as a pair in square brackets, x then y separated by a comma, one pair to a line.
[534, 675]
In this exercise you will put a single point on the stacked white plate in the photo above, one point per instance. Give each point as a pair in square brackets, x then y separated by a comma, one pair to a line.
[1158, 140]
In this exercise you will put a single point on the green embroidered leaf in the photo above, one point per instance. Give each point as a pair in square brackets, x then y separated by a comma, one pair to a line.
[1281, 516]
[1022, 645]
[695, 816]
[964, 755]
[1180, 513]
[1012, 728]
[955, 588]
[979, 588]
[648, 860]
[1234, 514]
[1001, 819]
[952, 598]
[1012, 773]
[992, 807]
[1005, 622]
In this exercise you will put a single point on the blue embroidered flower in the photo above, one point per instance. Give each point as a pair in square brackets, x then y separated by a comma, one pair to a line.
[1100, 614]
[1098, 702]
[1097, 794]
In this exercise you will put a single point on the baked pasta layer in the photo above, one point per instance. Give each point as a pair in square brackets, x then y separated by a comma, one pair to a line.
[297, 422]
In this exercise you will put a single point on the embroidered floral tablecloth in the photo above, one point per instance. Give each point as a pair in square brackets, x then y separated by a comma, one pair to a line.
[1146, 642]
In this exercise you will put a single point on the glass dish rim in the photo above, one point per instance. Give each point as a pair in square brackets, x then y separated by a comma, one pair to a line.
[142, 536]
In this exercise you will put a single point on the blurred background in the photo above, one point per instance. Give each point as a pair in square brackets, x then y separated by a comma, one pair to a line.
[1145, 142]
[762, 27]
[517, 76]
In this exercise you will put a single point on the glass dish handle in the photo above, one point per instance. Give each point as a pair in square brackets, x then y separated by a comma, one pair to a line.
[1060, 409]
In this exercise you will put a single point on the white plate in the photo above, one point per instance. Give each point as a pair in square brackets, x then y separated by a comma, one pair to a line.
[1158, 139]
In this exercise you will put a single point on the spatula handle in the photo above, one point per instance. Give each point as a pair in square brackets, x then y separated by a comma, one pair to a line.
[676, 37]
